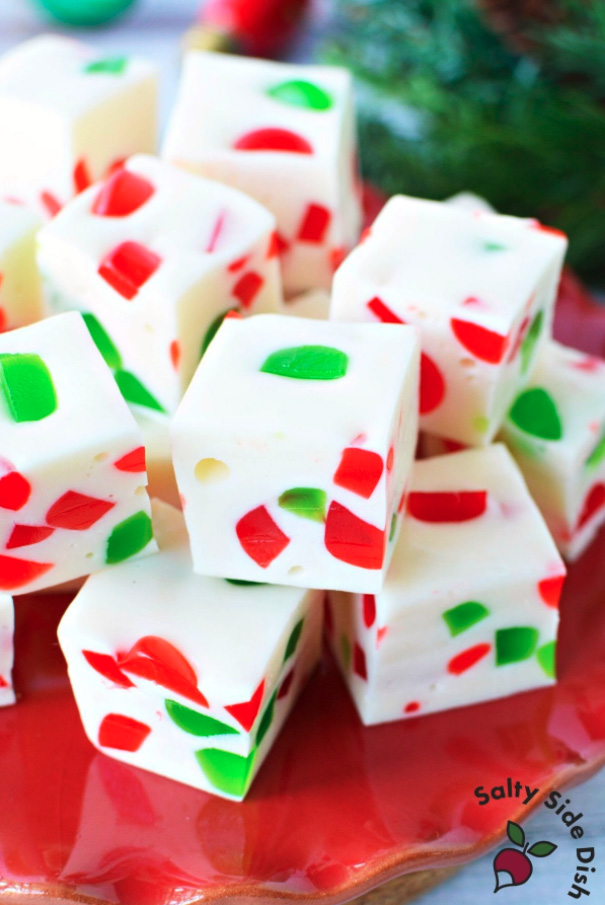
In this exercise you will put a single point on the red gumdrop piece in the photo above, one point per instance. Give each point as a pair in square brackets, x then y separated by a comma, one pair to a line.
[246, 713]
[122, 732]
[52, 204]
[122, 194]
[26, 535]
[107, 667]
[77, 512]
[262, 539]
[133, 461]
[159, 661]
[447, 506]
[285, 686]
[352, 540]
[412, 707]
[238, 264]
[479, 341]
[277, 245]
[128, 267]
[359, 663]
[432, 385]
[380, 634]
[273, 139]
[514, 349]
[82, 177]
[337, 256]
[359, 471]
[549, 229]
[175, 354]
[247, 288]
[315, 223]
[390, 458]
[467, 658]
[378, 307]
[550, 590]
[593, 502]
[15, 491]
[16, 573]
[369, 610]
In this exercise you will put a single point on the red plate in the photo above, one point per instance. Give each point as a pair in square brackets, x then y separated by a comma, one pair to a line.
[336, 809]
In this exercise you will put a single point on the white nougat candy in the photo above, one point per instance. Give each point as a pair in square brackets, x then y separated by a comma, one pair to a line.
[20, 288]
[158, 455]
[293, 447]
[69, 115]
[72, 462]
[186, 676]
[285, 134]
[155, 258]
[556, 431]
[7, 621]
[469, 607]
[314, 304]
[480, 287]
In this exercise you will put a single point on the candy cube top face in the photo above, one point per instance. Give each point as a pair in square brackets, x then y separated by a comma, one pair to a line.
[20, 289]
[187, 676]
[469, 607]
[556, 431]
[70, 114]
[72, 463]
[481, 288]
[7, 625]
[292, 450]
[285, 134]
[157, 257]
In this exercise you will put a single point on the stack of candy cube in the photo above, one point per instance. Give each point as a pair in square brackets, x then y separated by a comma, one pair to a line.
[146, 328]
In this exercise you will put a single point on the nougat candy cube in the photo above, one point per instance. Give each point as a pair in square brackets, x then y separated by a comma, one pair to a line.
[72, 461]
[69, 116]
[469, 608]
[187, 676]
[20, 287]
[155, 258]
[285, 134]
[556, 431]
[480, 287]
[292, 450]
[7, 625]
[155, 427]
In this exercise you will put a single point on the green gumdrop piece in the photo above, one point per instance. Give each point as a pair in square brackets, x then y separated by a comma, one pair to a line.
[529, 342]
[535, 412]
[293, 639]
[547, 658]
[230, 773]
[393, 527]
[133, 391]
[84, 12]
[266, 720]
[243, 583]
[27, 386]
[108, 66]
[515, 644]
[307, 363]
[345, 650]
[129, 537]
[597, 455]
[103, 342]
[196, 723]
[213, 330]
[306, 502]
[462, 617]
[494, 246]
[300, 93]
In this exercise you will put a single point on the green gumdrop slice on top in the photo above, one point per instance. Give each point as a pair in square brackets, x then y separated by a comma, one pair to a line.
[107, 66]
[515, 644]
[307, 363]
[103, 342]
[27, 387]
[306, 502]
[196, 723]
[300, 93]
[266, 720]
[230, 773]
[547, 658]
[293, 639]
[129, 538]
[462, 617]
[134, 392]
[535, 413]
[529, 342]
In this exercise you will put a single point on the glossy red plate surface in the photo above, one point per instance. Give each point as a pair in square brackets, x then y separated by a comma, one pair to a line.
[335, 810]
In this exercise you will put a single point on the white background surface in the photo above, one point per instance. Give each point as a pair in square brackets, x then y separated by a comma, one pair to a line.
[154, 28]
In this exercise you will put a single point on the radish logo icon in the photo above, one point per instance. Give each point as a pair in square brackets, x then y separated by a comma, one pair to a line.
[513, 866]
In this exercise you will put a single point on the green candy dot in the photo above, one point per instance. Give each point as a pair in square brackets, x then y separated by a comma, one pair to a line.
[345, 650]
[546, 657]
[107, 66]
[300, 93]
[196, 723]
[103, 342]
[27, 387]
[393, 527]
[293, 640]
[307, 363]
[133, 391]
[306, 502]
[529, 342]
[241, 582]
[213, 329]
[266, 720]
[597, 455]
[462, 617]
[515, 644]
[129, 537]
[230, 773]
[494, 246]
[535, 412]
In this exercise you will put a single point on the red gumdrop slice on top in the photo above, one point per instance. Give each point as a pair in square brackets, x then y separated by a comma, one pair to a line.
[352, 540]
[159, 661]
[133, 461]
[479, 341]
[447, 506]
[246, 713]
[122, 732]
[594, 501]
[247, 288]
[82, 177]
[128, 267]
[122, 194]
[467, 658]
[77, 512]
[273, 139]
[369, 610]
[359, 471]
[315, 223]
[261, 538]
[432, 385]
[359, 663]
[15, 491]
[26, 535]
[106, 666]
[550, 590]
[16, 573]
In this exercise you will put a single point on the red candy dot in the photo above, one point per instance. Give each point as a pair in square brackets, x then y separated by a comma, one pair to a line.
[106, 666]
[359, 471]
[314, 224]
[359, 663]
[352, 540]
[277, 245]
[216, 231]
[133, 461]
[26, 535]
[128, 267]
[514, 349]
[380, 634]
[15, 491]
[123, 194]
[77, 512]
[122, 732]
[369, 610]
[246, 713]
[15, 573]
[468, 658]
[159, 661]
[593, 503]
[82, 178]
[50, 202]
[237, 265]
[453, 446]
[337, 256]
[549, 229]
[479, 341]
[378, 308]
[412, 707]
[550, 590]
[432, 385]
[390, 458]
[3, 316]
[175, 353]
[262, 539]
[447, 506]
[273, 139]
[247, 288]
